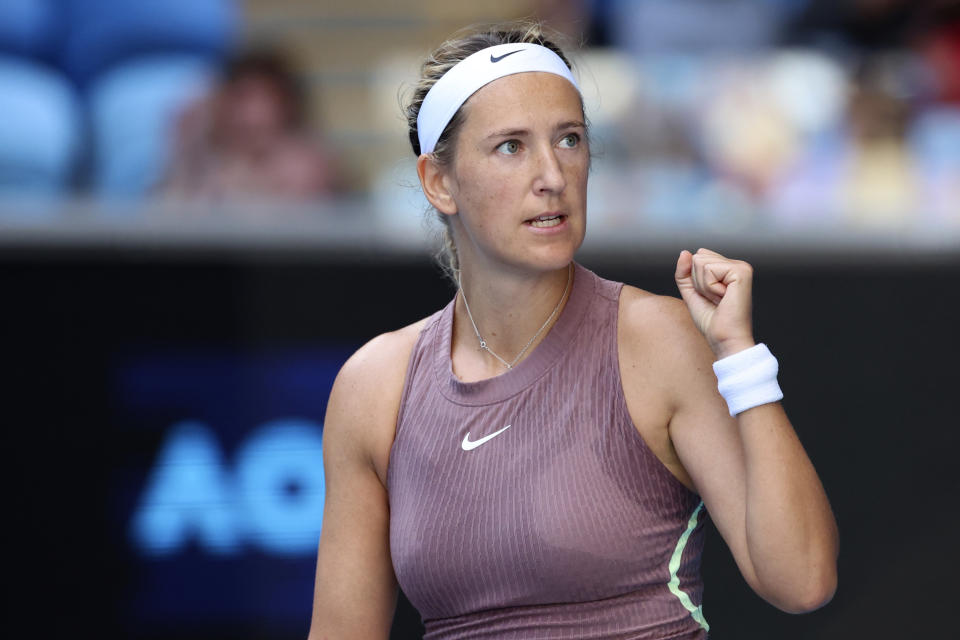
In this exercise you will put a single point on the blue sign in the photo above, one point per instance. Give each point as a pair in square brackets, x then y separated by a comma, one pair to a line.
[223, 518]
[272, 497]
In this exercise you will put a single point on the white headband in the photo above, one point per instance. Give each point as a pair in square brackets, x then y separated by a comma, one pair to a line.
[475, 71]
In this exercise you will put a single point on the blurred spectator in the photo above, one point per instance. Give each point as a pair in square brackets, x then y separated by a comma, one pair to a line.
[938, 41]
[863, 171]
[249, 138]
[881, 183]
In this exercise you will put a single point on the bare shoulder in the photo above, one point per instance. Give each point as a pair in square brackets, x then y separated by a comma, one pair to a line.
[365, 399]
[381, 360]
[659, 330]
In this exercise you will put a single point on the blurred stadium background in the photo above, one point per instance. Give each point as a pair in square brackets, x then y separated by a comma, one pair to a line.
[206, 205]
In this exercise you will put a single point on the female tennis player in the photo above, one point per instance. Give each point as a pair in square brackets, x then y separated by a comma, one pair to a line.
[537, 459]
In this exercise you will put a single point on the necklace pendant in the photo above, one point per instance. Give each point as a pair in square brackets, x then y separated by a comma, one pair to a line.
[483, 343]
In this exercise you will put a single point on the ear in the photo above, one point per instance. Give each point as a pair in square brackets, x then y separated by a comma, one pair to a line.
[436, 184]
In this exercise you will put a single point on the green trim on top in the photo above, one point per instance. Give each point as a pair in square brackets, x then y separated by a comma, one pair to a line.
[674, 584]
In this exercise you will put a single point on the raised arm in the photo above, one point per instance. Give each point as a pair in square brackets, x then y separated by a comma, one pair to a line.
[751, 470]
[355, 591]
[755, 479]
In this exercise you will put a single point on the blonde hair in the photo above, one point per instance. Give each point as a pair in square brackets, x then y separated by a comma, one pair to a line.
[457, 48]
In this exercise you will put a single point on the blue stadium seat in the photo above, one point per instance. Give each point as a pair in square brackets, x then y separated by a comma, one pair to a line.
[29, 27]
[40, 127]
[104, 33]
[132, 113]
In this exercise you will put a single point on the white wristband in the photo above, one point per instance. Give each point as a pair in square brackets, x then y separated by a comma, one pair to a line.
[748, 379]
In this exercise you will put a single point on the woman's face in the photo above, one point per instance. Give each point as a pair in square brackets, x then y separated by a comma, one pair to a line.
[519, 174]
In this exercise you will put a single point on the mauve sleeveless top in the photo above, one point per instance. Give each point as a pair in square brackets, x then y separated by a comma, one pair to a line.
[565, 524]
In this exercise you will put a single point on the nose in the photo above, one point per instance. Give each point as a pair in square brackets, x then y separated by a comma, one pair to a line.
[549, 174]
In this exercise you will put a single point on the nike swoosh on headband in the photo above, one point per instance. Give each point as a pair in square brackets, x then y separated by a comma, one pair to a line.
[468, 445]
[494, 58]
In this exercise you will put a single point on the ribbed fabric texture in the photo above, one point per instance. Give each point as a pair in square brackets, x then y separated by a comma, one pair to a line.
[563, 525]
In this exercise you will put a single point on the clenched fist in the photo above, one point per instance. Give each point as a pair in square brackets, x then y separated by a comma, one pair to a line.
[717, 291]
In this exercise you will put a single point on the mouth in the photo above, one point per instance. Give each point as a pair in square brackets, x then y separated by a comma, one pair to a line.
[546, 220]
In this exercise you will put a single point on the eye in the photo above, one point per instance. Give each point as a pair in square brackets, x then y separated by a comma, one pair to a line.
[570, 140]
[510, 147]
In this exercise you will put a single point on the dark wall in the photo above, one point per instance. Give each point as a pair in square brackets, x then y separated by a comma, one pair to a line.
[868, 365]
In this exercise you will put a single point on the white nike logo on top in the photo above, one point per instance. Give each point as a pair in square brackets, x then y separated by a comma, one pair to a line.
[468, 445]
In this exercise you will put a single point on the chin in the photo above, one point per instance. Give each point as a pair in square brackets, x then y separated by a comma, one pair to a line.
[555, 258]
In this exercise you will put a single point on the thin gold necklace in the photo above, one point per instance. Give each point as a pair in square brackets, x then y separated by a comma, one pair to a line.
[483, 343]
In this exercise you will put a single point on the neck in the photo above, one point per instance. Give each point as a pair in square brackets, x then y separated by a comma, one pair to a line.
[508, 309]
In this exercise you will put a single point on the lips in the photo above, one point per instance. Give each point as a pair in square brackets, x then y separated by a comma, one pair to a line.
[546, 220]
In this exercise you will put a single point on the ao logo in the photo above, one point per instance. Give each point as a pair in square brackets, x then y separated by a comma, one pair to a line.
[272, 499]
